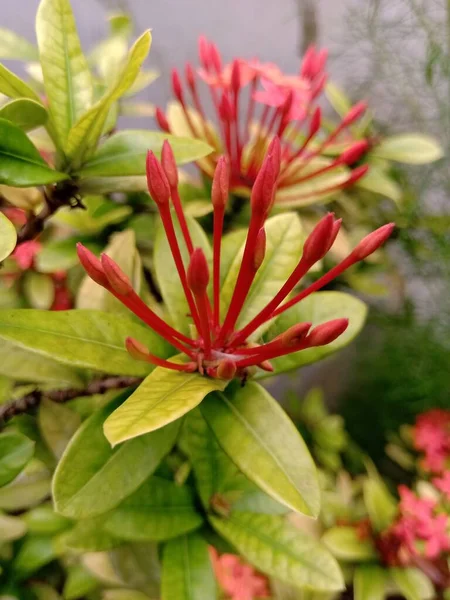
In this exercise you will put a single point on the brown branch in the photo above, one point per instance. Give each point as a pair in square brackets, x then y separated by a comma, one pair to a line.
[29, 401]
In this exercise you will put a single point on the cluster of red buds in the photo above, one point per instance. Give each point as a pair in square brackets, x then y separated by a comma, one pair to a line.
[252, 103]
[219, 349]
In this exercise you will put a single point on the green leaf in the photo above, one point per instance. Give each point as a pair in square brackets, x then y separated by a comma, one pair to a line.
[378, 181]
[35, 552]
[167, 274]
[89, 535]
[98, 214]
[216, 474]
[28, 489]
[11, 528]
[124, 595]
[61, 255]
[259, 437]
[25, 366]
[86, 132]
[21, 165]
[125, 152]
[39, 290]
[412, 583]
[44, 520]
[67, 79]
[15, 46]
[346, 545]
[279, 549]
[163, 397]
[411, 148]
[187, 570]
[13, 87]
[25, 113]
[380, 505]
[284, 241]
[338, 100]
[370, 582]
[89, 339]
[8, 237]
[42, 591]
[57, 424]
[318, 308]
[89, 465]
[79, 583]
[159, 510]
[15, 452]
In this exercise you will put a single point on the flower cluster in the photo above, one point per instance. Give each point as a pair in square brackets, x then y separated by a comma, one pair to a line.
[252, 103]
[431, 436]
[219, 349]
[237, 579]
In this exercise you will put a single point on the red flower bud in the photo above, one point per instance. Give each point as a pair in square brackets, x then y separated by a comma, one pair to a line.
[317, 243]
[168, 164]
[235, 76]
[334, 233]
[325, 333]
[92, 265]
[354, 113]
[265, 183]
[176, 86]
[266, 365]
[136, 349]
[162, 121]
[117, 279]
[320, 61]
[372, 242]
[190, 75]
[158, 186]
[306, 69]
[221, 182]
[198, 272]
[203, 51]
[216, 59]
[226, 369]
[315, 122]
[225, 108]
[357, 174]
[260, 249]
[354, 153]
[295, 334]
[274, 150]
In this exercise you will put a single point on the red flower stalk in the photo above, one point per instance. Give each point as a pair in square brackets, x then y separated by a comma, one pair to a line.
[217, 349]
[254, 102]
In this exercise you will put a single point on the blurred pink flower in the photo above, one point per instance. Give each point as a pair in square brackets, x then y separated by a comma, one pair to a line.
[238, 579]
[25, 253]
[443, 483]
[432, 437]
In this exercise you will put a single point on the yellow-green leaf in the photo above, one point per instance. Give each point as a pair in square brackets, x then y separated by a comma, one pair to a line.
[370, 582]
[412, 583]
[262, 441]
[378, 180]
[411, 148]
[380, 505]
[57, 424]
[346, 544]
[25, 113]
[86, 132]
[11, 528]
[39, 290]
[15, 452]
[163, 397]
[67, 79]
[8, 237]
[13, 87]
[281, 550]
[337, 98]
[15, 46]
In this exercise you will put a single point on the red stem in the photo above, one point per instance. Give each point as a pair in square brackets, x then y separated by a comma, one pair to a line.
[219, 212]
[182, 219]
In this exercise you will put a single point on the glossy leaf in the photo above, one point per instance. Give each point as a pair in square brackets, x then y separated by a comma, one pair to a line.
[35, 552]
[284, 241]
[28, 489]
[79, 583]
[89, 535]
[163, 397]
[98, 214]
[125, 152]
[318, 308]
[57, 424]
[25, 113]
[277, 548]
[380, 505]
[346, 544]
[21, 165]
[411, 148]
[8, 237]
[187, 570]
[378, 181]
[11, 528]
[15, 452]
[370, 582]
[39, 290]
[89, 339]
[86, 132]
[67, 79]
[89, 465]
[159, 510]
[258, 436]
[13, 87]
[167, 275]
[15, 46]
[412, 583]
[43, 520]
[61, 255]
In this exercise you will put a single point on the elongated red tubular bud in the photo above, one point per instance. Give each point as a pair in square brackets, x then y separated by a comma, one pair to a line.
[260, 249]
[221, 182]
[354, 113]
[117, 279]
[216, 59]
[317, 243]
[226, 369]
[354, 153]
[198, 272]
[266, 365]
[315, 123]
[306, 68]
[372, 242]
[336, 228]
[157, 183]
[325, 333]
[136, 349]
[235, 76]
[168, 164]
[264, 187]
[203, 51]
[320, 60]
[92, 265]
[190, 75]
[161, 119]
[357, 174]
[295, 334]
[177, 87]
[225, 108]
[274, 150]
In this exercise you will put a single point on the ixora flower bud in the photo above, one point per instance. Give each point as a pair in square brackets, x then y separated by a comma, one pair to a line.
[168, 164]
[217, 348]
